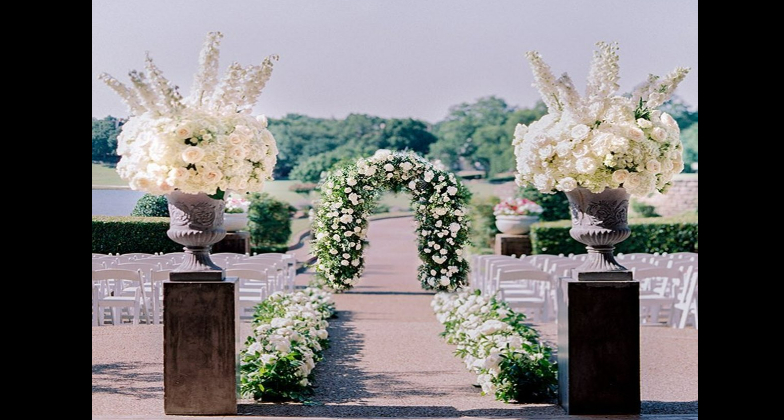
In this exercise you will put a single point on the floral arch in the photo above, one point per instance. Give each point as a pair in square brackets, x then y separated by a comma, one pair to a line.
[349, 194]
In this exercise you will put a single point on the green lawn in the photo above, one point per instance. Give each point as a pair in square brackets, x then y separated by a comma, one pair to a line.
[106, 176]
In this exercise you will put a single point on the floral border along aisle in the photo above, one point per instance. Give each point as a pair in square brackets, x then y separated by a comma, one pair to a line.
[510, 361]
[348, 195]
[290, 332]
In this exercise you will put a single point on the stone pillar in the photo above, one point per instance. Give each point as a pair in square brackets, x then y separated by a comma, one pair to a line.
[516, 245]
[237, 242]
[200, 340]
[599, 346]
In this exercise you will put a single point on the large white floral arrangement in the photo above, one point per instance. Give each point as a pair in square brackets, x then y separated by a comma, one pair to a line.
[349, 194]
[205, 143]
[506, 355]
[290, 332]
[600, 140]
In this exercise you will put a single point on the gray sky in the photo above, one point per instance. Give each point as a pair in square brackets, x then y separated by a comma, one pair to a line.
[393, 59]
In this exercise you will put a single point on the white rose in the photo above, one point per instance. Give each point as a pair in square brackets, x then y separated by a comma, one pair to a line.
[620, 176]
[667, 120]
[580, 131]
[634, 133]
[429, 176]
[262, 119]
[454, 227]
[658, 134]
[567, 184]
[347, 190]
[212, 176]
[412, 185]
[355, 262]
[451, 190]
[653, 165]
[633, 180]
[192, 154]
[346, 219]
[643, 123]
[444, 281]
[351, 182]
[333, 251]
[389, 167]
[183, 131]
[178, 173]
[406, 166]
[344, 262]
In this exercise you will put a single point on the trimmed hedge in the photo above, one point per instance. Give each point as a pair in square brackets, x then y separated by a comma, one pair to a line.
[658, 234]
[132, 234]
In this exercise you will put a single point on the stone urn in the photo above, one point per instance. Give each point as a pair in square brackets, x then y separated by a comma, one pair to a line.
[515, 224]
[599, 220]
[196, 222]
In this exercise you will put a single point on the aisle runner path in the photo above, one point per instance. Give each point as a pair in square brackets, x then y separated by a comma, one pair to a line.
[387, 359]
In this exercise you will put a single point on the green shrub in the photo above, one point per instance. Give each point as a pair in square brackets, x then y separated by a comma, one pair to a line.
[483, 230]
[151, 206]
[132, 234]
[659, 234]
[644, 210]
[555, 206]
[270, 222]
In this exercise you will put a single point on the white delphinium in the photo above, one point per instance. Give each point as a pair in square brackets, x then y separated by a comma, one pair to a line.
[200, 144]
[585, 141]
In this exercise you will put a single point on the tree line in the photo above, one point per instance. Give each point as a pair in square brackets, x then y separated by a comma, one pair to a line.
[473, 136]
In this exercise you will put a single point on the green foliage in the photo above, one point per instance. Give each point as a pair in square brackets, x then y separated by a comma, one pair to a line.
[132, 234]
[659, 234]
[555, 206]
[689, 140]
[479, 135]
[312, 168]
[269, 222]
[643, 209]
[483, 230]
[105, 132]
[151, 206]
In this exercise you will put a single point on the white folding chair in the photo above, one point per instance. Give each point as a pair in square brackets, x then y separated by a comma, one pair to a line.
[254, 287]
[154, 291]
[687, 307]
[528, 290]
[116, 284]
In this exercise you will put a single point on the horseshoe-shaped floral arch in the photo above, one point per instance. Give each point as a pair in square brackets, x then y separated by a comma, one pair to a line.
[348, 195]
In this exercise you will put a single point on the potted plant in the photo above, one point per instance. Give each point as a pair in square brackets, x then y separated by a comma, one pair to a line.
[514, 216]
[235, 216]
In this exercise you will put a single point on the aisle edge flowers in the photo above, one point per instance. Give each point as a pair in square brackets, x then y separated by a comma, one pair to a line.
[517, 207]
[600, 140]
[348, 195]
[290, 333]
[200, 144]
[506, 355]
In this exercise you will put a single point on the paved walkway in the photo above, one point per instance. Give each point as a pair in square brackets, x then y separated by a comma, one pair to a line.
[386, 359]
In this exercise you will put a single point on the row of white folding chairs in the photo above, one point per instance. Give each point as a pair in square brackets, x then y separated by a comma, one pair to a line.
[123, 293]
[490, 272]
[668, 296]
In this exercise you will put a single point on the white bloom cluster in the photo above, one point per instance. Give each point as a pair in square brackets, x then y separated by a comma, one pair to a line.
[203, 143]
[601, 140]
[348, 196]
[486, 331]
[290, 330]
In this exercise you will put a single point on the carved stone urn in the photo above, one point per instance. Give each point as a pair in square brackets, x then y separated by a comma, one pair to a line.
[197, 223]
[599, 220]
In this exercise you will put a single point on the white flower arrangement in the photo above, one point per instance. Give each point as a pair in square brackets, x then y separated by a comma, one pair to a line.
[290, 332]
[600, 140]
[348, 195]
[236, 204]
[205, 143]
[506, 355]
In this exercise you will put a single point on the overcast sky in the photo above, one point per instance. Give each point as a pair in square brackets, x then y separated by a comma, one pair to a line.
[394, 59]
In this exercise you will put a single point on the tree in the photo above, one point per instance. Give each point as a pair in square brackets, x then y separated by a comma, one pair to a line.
[689, 140]
[105, 132]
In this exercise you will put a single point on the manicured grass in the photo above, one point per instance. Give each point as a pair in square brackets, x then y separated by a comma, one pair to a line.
[105, 175]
